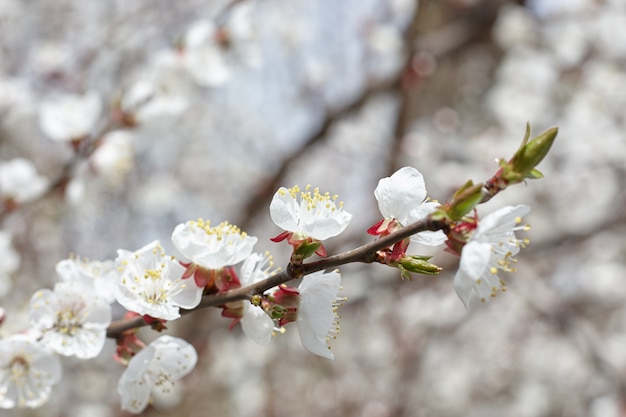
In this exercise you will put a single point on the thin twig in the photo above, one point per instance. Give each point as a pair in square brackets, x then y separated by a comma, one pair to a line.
[365, 253]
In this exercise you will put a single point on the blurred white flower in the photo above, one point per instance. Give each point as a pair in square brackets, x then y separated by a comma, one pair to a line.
[203, 57]
[158, 366]
[73, 319]
[150, 283]
[514, 27]
[69, 117]
[9, 262]
[212, 247]
[27, 372]
[491, 247]
[555, 8]
[98, 276]
[308, 215]
[255, 323]
[609, 33]
[113, 159]
[161, 90]
[211, 51]
[19, 181]
[317, 318]
[402, 197]
[386, 45]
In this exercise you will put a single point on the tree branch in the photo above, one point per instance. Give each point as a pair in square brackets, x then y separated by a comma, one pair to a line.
[365, 253]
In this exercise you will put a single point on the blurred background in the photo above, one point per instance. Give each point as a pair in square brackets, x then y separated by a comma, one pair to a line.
[204, 108]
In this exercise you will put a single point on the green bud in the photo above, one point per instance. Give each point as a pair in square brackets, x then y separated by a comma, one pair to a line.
[530, 154]
[465, 199]
[417, 264]
[276, 312]
[305, 250]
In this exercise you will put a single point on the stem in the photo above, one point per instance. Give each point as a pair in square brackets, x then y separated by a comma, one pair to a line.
[365, 253]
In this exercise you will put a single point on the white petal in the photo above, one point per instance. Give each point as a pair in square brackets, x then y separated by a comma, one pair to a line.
[474, 262]
[399, 194]
[257, 325]
[429, 238]
[318, 293]
[212, 251]
[134, 385]
[173, 356]
[325, 228]
[187, 294]
[284, 210]
[504, 217]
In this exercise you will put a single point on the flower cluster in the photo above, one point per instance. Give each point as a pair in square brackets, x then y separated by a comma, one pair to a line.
[218, 260]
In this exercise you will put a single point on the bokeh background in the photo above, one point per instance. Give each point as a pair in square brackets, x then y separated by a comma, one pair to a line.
[215, 104]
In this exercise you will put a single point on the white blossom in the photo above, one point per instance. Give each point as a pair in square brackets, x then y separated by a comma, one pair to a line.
[307, 214]
[317, 319]
[158, 366]
[27, 372]
[211, 51]
[114, 157]
[255, 323]
[490, 248]
[151, 283]
[160, 90]
[402, 197]
[20, 182]
[212, 247]
[9, 262]
[99, 276]
[69, 117]
[73, 319]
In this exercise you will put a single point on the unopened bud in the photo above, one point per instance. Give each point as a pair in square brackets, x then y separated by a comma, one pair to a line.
[465, 200]
[417, 264]
[529, 155]
[305, 249]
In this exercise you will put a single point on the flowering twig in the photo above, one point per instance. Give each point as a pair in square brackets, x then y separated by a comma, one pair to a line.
[365, 253]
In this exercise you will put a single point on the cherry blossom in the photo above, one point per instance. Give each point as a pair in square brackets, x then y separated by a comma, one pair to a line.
[158, 366]
[27, 372]
[490, 248]
[151, 283]
[308, 215]
[212, 247]
[20, 182]
[317, 318]
[255, 322]
[73, 319]
[69, 117]
[98, 276]
[402, 201]
[9, 262]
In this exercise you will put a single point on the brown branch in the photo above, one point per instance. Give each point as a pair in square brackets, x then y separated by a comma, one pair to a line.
[365, 253]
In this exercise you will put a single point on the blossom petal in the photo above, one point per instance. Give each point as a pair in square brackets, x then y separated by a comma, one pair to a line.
[501, 220]
[212, 247]
[322, 229]
[174, 356]
[429, 238]
[399, 194]
[257, 325]
[284, 210]
[318, 293]
[474, 262]
[134, 385]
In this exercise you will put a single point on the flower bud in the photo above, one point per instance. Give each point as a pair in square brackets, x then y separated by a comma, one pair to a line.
[529, 155]
[465, 199]
[417, 264]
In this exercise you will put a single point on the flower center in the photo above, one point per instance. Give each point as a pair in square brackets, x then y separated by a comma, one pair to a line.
[20, 368]
[68, 321]
[221, 231]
